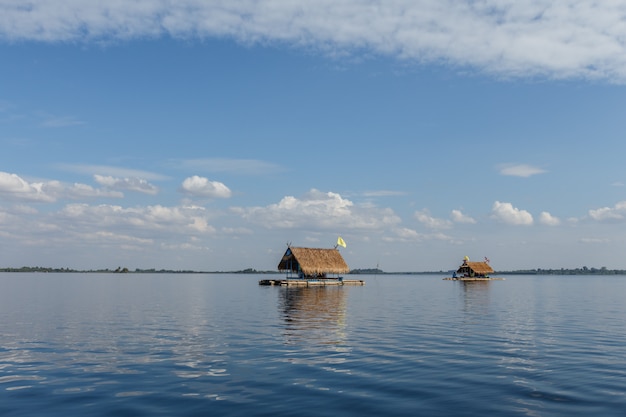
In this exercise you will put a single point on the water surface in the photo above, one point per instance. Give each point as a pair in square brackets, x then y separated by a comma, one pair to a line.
[219, 344]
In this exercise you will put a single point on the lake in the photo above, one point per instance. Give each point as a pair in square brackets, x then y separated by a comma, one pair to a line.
[221, 345]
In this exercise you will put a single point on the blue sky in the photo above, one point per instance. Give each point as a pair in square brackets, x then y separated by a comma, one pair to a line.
[207, 135]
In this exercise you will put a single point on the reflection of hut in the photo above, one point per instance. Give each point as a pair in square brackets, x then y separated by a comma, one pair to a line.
[313, 304]
[475, 269]
[312, 263]
[314, 316]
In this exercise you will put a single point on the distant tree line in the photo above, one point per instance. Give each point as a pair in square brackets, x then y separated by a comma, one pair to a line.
[367, 271]
[37, 269]
[125, 270]
[567, 271]
[537, 271]
[364, 271]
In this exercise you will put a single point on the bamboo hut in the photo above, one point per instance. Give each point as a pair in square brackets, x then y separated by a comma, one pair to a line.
[312, 267]
[310, 263]
[475, 269]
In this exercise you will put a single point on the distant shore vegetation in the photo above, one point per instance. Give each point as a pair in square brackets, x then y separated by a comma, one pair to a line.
[366, 271]
[124, 270]
[538, 271]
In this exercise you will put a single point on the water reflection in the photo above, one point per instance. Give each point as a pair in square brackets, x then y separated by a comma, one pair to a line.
[313, 314]
[475, 296]
[161, 345]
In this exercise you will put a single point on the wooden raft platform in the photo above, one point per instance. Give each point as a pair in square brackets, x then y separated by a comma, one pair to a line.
[311, 283]
[473, 279]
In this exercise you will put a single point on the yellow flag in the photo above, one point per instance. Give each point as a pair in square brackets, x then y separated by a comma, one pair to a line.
[340, 242]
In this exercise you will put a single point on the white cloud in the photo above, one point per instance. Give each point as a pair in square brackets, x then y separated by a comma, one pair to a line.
[520, 170]
[77, 191]
[609, 214]
[103, 234]
[431, 222]
[126, 184]
[407, 234]
[203, 187]
[319, 210]
[458, 217]
[149, 219]
[14, 187]
[548, 219]
[506, 213]
[116, 239]
[569, 38]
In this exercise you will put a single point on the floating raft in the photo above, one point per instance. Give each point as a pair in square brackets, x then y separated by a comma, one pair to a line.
[311, 283]
[473, 279]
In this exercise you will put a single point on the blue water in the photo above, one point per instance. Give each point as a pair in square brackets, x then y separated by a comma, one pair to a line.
[221, 345]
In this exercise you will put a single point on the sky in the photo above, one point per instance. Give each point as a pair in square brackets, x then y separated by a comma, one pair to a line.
[209, 135]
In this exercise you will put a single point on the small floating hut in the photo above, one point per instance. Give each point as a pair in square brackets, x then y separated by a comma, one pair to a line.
[312, 266]
[473, 271]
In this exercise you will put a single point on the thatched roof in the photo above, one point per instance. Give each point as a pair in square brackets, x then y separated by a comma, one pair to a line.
[313, 261]
[476, 267]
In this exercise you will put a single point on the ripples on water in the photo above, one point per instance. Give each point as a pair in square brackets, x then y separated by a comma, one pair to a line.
[196, 345]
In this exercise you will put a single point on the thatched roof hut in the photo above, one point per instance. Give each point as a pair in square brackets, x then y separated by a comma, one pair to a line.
[313, 262]
[475, 269]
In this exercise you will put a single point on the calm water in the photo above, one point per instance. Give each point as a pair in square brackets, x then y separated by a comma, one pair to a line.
[220, 345]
